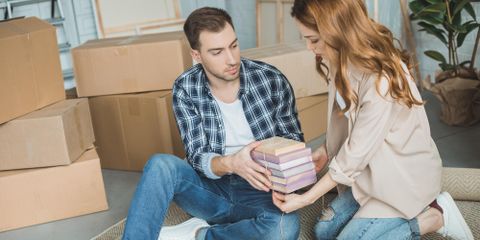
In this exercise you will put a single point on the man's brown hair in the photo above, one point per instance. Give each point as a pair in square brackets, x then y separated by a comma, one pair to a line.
[205, 19]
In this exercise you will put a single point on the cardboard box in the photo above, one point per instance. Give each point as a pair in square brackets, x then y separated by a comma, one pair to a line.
[30, 72]
[312, 113]
[55, 135]
[130, 128]
[130, 64]
[42, 195]
[296, 62]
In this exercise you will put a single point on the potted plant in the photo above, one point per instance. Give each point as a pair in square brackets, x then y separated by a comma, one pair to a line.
[455, 89]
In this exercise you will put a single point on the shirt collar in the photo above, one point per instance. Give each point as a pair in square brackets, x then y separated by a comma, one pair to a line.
[245, 84]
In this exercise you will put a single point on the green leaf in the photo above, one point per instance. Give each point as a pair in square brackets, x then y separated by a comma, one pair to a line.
[435, 1]
[436, 56]
[413, 17]
[461, 28]
[470, 10]
[430, 29]
[435, 8]
[459, 6]
[446, 66]
[464, 63]
[469, 27]
[457, 20]
[416, 6]
[433, 19]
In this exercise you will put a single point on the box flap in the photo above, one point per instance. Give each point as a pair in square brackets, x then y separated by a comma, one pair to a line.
[131, 40]
[56, 109]
[22, 26]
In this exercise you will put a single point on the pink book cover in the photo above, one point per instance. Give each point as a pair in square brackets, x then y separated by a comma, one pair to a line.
[293, 171]
[292, 179]
[301, 183]
[256, 155]
[286, 165]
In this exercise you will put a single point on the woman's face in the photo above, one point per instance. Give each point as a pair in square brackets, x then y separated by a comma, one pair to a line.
[314, 41]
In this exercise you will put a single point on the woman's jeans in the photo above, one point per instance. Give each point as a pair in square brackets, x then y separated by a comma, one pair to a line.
[337, 222]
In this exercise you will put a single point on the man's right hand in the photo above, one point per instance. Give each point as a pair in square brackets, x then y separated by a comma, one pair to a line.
[241, 163]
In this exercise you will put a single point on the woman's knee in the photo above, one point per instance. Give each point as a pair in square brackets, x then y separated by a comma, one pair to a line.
[327, 227]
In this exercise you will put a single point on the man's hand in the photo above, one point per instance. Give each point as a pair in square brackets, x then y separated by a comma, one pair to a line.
[241, 163]
[320, 158]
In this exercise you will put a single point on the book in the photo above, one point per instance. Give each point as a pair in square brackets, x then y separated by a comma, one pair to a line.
[293, 171]
[279, 145]
[301, 183]
[291, 179]
[256, 155]
[286, 165]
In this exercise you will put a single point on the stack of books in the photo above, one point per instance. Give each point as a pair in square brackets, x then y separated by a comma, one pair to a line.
[289, 161]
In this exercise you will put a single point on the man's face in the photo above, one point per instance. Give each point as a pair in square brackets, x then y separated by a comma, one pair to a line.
[219, 54]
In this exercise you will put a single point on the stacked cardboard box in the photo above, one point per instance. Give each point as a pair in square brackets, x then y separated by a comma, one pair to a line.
[312, 114]
[130, 64]
[298, 65]
[42, 195]
[129, 128]
[289, 161]
[123, 78]
[46, 170]
[55, 135]
[31, 76]
[296, 62]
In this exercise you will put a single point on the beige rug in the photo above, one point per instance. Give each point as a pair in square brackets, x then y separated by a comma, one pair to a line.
[471, 211]
[462, 183]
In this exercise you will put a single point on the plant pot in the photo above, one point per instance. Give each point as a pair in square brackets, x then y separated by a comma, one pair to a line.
[476, 104]
[457, 97]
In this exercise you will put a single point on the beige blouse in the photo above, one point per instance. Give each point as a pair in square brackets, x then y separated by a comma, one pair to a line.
[383, 150]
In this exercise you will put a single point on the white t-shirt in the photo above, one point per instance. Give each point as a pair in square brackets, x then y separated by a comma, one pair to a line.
[237, 130]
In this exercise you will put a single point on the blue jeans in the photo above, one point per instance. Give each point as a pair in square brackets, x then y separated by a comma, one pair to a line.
[233, 208]
[336, 223]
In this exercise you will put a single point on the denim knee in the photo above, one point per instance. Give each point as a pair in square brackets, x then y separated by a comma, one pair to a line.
[286, 226]
[326, 227]
[164, 164]
[336, 216]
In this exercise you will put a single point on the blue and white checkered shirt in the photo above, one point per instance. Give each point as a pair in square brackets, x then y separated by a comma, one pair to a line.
[268, 102]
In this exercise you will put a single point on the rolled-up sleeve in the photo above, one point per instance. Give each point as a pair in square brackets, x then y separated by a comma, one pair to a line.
[368, 132]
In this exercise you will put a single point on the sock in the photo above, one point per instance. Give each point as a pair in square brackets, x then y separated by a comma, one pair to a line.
[435, 205]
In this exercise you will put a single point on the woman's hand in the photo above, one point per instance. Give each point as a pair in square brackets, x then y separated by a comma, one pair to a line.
[320, 158]
[289, 203]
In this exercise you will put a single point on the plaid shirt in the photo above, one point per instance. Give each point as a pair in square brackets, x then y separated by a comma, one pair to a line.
[268, 103]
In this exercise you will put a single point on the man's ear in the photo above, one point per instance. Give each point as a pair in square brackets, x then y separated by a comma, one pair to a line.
[196, 55]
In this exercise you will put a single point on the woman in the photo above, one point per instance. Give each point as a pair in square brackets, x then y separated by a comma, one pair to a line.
[378, 137]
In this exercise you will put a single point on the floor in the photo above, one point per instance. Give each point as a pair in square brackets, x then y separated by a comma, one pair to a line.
[458, 146]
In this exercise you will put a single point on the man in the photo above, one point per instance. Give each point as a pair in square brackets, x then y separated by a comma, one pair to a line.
[223, 106]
